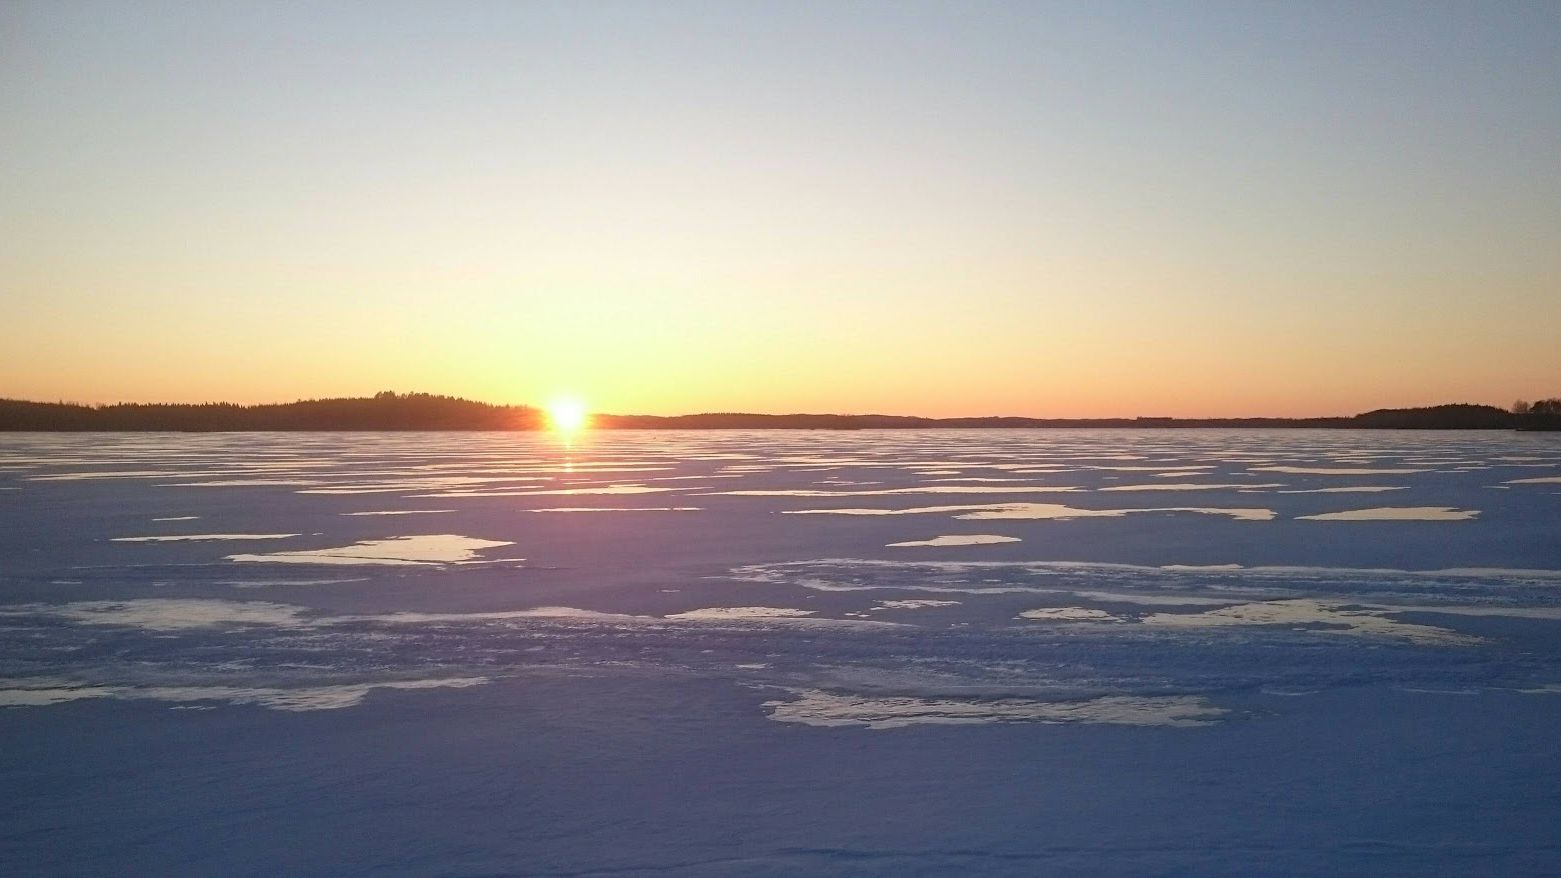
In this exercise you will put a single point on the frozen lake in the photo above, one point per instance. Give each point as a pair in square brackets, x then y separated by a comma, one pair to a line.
[979, 652]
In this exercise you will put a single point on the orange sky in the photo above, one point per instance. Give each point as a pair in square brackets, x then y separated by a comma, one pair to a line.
[1042, 210]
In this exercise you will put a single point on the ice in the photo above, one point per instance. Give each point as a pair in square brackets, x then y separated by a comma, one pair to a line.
[768, 686]
[957, 540]
[422, 549]
[826, 709]
[1396, 513]
[178, 538]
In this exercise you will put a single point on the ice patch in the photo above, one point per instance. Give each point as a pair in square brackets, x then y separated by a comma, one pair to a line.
[1189, 486]
[401, 512]
[743, 613]
[772, 615]
[1353, 489]
[416, 618]
[165, 614]
[424, 549]
[1366, 622]
[200, 538]
[914, 604]
[244, 483]
[958, 540]
[607, 489]
[1335, 471]
[1396, 513]
[815, 707]
[929, 489]
[20, 694]
[619, 509]
[1037, 511]
[1056, 512]
[1069, 614]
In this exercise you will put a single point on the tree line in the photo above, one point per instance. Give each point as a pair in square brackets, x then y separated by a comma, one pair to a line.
[389, 410]
[386, 410]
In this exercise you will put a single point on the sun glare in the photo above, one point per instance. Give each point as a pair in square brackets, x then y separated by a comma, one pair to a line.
[567, 414]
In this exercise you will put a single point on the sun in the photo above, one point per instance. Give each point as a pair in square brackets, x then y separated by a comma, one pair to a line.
[568, 414]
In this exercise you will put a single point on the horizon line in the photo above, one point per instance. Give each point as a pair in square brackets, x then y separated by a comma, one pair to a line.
[540, 408]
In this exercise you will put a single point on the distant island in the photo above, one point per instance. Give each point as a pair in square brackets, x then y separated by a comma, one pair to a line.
[423, 411]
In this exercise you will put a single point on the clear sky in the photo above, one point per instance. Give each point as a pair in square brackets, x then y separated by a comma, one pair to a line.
[962, 208]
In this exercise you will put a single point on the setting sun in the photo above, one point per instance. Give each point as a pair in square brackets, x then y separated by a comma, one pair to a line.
[567, 414]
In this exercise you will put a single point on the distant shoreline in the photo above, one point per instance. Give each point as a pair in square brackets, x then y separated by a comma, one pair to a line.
[427, 412]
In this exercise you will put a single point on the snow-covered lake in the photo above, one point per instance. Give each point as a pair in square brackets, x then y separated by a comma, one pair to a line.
[781, 653]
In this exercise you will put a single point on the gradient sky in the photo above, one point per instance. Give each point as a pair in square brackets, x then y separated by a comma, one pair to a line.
[1051, 209]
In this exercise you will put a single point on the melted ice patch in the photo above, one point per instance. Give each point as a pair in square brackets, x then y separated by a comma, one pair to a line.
[816, 707]
[957, 540]
[424, 549]
[1396, 513]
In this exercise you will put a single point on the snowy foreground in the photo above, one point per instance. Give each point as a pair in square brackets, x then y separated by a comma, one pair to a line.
[781, 653]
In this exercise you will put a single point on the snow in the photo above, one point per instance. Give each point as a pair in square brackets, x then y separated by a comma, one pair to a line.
[768, 687]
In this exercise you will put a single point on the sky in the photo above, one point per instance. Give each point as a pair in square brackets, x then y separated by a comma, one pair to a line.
[962, 208]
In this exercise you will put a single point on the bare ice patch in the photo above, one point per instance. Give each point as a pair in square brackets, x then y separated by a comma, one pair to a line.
[619, 509]
[708, 613]
[1057, 512]
[1039, 511]
[772, 615]
[815, 707]
[41, 692]
[928, 489]
[180, 538]
[957, 540]
[604, 489]
[1396, 513]
[1189, 486]
[401, 512]
[1069, 614]
[423, 549]
[165, 614]
[914, 604]
[1338, 619]
[1348, 489]
[1336, 471]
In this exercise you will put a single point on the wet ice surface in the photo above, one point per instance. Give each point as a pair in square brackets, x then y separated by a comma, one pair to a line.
[717, 683]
